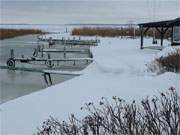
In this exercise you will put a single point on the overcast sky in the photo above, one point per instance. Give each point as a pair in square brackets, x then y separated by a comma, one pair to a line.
[87, 11]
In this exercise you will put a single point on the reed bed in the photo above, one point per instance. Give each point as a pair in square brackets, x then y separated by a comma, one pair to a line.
[114, 32]
[10, 33]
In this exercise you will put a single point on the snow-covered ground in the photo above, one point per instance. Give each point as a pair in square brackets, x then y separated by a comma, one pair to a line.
[119, 69]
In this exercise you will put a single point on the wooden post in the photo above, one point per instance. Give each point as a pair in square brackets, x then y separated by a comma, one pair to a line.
[162, 36]
[141, 30]
[172, 38]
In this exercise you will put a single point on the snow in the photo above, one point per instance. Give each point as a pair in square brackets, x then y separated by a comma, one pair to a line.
[119, 69]
[168, 51]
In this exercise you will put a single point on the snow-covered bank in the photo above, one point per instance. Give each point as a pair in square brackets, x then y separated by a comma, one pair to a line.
[119, 68]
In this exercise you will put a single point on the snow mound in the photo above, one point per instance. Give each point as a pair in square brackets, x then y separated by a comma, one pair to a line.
[167, 51]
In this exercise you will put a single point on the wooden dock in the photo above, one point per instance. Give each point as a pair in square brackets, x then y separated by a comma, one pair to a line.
[73, 41]
[46, 73]
[49, 62]
[54, 50]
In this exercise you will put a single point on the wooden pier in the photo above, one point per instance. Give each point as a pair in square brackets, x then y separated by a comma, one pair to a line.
[51, 62]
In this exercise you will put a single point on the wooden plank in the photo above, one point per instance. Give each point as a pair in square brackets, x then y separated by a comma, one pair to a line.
[62, 72]
[44, 59]
[23, 69]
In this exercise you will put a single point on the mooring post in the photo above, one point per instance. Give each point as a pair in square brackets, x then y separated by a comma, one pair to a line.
[35, 52]
[12, 53]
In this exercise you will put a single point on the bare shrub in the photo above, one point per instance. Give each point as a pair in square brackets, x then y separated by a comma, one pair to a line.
[156, 116]
[171, 62]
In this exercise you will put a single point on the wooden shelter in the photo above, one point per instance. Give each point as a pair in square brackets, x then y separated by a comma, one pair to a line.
[162, 27]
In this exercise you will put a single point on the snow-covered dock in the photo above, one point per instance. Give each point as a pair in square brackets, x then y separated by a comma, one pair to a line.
[71, 41]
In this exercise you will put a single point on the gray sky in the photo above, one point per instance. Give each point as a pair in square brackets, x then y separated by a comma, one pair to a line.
[87, 11]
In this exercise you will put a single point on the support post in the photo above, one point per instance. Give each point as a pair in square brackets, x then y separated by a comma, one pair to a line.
[162, 36]
[172, 38]
[48, 80]
[141, 30]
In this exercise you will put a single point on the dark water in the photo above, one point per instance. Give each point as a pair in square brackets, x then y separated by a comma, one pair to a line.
[14, 84]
